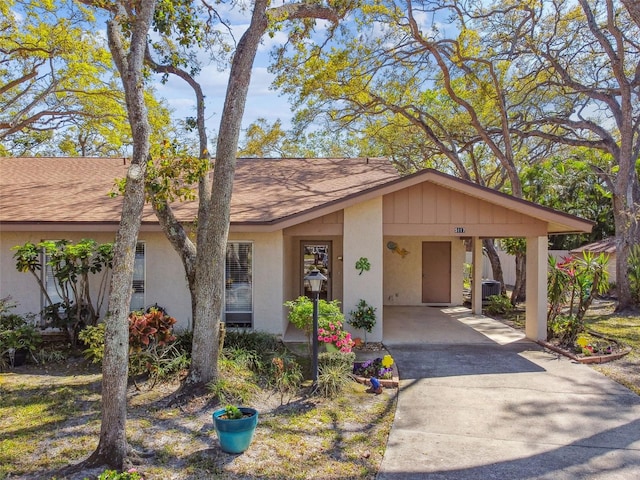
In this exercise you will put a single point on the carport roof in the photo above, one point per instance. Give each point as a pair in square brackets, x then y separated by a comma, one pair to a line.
[269, 194]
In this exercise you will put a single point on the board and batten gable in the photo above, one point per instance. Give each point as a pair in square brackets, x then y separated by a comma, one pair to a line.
[430, 209]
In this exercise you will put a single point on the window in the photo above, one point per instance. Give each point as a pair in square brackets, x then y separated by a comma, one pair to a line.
[238, 311]
[138, 287]
[137, 294]
[50, 284]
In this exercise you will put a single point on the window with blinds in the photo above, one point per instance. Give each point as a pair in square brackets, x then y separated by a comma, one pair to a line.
[50, 285]
[238, 311]
[137, 292]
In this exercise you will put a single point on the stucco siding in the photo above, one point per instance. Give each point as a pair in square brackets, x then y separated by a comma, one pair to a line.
[165, 280]
[363, 238]
[22, 287]
[403, 276]
[268, 280]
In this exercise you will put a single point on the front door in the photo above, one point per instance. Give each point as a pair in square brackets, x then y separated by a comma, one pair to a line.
[436, 272]
[317, 255]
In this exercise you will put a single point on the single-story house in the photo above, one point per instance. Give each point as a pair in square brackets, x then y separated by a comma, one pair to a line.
[289, 216]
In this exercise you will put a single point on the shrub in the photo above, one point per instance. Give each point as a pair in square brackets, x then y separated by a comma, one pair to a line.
[16, 333]
[498, 305]
[93, 339]
[286, 374]
[72, 266]
[153, 349]
[153, 326]
[334, 372]
[252, 340]
[130, 474]
[332, 379]
[338, 359]
[363, 317]
[572, 285]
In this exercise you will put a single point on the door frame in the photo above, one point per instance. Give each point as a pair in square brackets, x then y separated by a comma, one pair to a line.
[327, 292]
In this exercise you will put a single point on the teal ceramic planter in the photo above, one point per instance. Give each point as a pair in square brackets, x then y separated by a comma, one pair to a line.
[235, 435]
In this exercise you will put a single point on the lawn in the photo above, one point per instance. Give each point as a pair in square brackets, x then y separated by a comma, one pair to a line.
[626, 329]
[50, 417]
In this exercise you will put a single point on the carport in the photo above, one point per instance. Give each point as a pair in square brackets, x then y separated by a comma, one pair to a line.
[429, 218]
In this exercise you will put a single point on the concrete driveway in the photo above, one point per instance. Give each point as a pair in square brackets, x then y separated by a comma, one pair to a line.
[480, 402]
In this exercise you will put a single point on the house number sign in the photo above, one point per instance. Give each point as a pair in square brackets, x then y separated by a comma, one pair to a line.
[458, 230]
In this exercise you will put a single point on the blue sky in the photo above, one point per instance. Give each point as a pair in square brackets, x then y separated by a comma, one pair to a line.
[262, 101]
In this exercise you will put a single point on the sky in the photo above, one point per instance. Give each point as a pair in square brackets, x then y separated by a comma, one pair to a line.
[262, 101]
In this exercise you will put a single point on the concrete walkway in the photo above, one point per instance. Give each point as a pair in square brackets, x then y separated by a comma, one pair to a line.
[479, 402]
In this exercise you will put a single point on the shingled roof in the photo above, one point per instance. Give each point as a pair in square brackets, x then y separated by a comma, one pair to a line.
[46, 190]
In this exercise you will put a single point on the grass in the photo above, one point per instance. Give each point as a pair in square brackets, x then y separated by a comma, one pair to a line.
[626, 330]
[50, 419]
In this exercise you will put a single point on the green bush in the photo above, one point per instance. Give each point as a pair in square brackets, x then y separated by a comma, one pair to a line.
[153, 349]
[252, 340]
[498, 305]
[93, 339]
[363, 317]
[337, 359]
[130, 474]
[332, 379]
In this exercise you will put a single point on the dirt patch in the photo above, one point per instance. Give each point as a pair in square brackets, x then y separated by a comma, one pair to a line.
[53, 419]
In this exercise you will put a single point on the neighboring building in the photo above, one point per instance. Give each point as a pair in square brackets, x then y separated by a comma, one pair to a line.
[606, 246]
[288, 216]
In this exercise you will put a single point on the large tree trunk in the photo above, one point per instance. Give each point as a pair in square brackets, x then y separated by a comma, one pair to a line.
[215, 228]
[113, 448]
[626, 213]
[520, 288]
[496, 265]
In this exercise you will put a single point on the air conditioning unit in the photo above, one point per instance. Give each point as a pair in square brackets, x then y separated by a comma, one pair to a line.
[490, 287]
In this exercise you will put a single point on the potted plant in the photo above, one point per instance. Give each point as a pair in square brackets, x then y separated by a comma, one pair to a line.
[235, 427]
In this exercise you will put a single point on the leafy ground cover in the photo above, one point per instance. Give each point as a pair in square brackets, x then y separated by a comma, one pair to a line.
[50, 417]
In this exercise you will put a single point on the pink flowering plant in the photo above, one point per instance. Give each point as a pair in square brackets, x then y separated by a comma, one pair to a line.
[330, 331]
[330, 322]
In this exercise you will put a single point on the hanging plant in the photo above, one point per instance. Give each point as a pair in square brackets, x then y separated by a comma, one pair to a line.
[363, 264]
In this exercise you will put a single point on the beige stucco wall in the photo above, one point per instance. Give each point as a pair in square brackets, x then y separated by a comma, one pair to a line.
[363, 238]
[268, 280]
[165, 281]
[403, 276]
[22, 287]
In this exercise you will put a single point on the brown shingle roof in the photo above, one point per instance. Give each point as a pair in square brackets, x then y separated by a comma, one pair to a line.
[607, 245]
[75, 190]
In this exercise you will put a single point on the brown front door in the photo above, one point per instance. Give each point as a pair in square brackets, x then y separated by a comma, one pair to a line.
[436, 272]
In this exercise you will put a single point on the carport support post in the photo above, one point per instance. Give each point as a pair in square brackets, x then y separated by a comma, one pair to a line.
[536, 304]
[476, 271]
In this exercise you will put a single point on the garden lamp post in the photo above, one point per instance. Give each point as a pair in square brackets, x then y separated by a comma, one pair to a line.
[315, 279]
